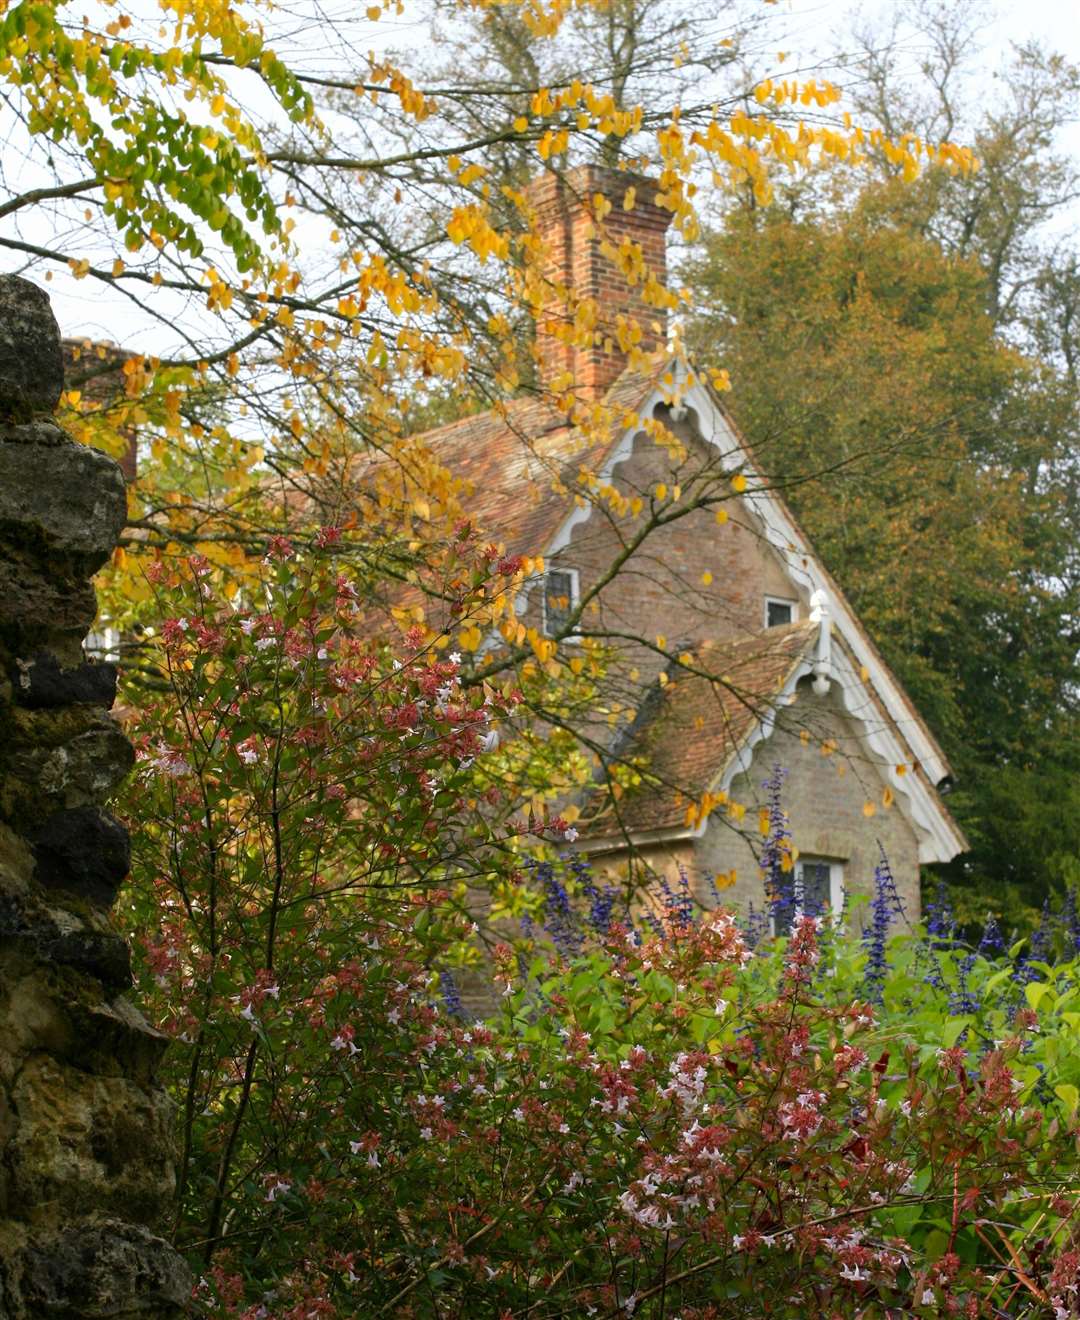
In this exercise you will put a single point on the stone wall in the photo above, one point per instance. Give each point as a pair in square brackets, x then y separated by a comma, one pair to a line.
[86, 1174]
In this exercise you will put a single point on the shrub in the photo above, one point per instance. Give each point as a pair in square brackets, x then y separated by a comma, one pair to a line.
[659, 1121]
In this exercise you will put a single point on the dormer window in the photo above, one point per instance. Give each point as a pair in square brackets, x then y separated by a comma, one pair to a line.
[779, 611]
[560, 599]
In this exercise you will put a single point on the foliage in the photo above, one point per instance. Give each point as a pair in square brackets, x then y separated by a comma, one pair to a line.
[653, 1122]
[925, 435]
[302, 795]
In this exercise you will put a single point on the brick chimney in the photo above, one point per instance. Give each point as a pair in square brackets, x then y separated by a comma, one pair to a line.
[82, 371]
[576, 270]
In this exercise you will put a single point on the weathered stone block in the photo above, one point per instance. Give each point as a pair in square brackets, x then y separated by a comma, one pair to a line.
[53, 936]
[67, 756]
[31, 363]
[37, 609]
[63, 500]
[42, 682]
[110, 1270]
[84, 852]
[88, 1145]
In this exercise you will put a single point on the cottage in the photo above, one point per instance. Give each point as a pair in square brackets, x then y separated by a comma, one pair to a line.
[736, 652]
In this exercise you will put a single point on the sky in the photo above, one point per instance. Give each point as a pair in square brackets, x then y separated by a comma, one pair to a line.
[808, 27]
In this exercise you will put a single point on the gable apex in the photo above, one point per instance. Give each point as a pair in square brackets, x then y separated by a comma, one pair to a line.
[698, 402]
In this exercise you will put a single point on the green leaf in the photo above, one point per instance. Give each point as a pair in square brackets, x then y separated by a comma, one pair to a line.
[953, 1029]
[1068, 1095]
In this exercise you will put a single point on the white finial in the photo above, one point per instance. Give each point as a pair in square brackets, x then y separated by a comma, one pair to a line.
[819, 614]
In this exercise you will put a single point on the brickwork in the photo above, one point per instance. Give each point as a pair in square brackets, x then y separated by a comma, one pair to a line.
[824, 797]
[660, 592]
[585, 291]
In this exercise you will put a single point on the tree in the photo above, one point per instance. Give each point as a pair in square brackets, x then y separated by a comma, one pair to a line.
[316, 310]
[900, 361]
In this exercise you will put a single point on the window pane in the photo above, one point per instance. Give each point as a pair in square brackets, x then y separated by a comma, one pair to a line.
[777, 613]
[815, 888]
[558, 601]
[784, 915]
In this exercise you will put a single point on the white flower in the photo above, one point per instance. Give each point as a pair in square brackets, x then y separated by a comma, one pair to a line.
[425, 1134]
[489, 741]
[248, 755]
[455, 657]
[570, 835]
[927, 1299]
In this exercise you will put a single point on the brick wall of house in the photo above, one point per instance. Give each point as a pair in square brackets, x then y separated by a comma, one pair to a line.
[584, 288]
[824, 797]
[660, 591]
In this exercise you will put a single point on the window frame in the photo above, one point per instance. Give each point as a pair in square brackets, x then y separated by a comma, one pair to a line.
[780, 600]
[836, 887]
[575, 598]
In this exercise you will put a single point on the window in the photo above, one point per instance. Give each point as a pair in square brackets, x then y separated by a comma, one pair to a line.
[778, 611]
[816, 887]
[560, 599]
[102, 644]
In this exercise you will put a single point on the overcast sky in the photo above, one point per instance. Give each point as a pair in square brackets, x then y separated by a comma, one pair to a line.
[808, 29]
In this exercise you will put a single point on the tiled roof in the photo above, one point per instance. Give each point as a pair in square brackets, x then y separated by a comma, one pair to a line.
[522, 461]
[688, 730]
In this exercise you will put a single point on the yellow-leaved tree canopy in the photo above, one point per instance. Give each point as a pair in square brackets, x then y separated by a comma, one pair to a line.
[309, 251]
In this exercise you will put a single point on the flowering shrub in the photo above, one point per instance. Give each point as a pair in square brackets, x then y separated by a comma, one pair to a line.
[657, 1121]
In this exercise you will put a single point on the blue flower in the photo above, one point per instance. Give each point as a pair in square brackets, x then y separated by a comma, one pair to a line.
[451, 996]
[884, 907]
[777, 873]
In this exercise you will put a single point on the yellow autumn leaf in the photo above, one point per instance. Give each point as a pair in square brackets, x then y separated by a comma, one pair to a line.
[706, 578]
[721, 516]
[738, 483]
[869, 809]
